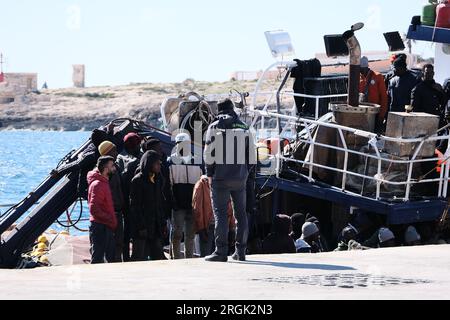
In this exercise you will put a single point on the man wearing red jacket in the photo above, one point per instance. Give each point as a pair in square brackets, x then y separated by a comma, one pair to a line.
[372, 89]
[102, 215]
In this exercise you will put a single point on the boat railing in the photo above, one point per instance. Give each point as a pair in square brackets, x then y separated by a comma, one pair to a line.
[286, 124]
[309, 137]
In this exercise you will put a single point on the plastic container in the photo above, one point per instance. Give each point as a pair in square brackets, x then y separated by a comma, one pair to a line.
[443, 15]
[429, 13]
[322, 87]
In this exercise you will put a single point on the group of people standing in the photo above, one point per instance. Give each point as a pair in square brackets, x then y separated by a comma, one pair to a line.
[141, 199]
[403, 90]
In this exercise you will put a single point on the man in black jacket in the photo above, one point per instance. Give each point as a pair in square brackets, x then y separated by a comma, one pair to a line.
[429, 96]
[228, 153]
[146, 209]
[128, 162]
[401, 86]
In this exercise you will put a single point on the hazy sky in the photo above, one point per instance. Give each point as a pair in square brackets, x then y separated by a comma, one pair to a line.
[171, 40]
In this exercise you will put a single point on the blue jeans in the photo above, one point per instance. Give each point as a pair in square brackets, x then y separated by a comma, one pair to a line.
[221, 191]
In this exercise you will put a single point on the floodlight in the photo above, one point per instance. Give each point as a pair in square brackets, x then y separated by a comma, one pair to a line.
[279, 43]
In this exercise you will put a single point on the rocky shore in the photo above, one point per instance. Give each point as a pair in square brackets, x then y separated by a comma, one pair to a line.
[75, 109]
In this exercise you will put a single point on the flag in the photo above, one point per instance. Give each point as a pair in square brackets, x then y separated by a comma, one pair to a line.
[2, 77]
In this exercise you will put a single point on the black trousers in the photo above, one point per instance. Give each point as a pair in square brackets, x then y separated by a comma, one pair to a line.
[118, 238]
[102, 243]
[126, 239]
[148, 249]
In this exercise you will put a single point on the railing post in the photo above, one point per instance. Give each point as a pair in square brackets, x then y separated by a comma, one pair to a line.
[410, 170]
[311, 150]
[317, 108]
[344, 143]
[374, 145]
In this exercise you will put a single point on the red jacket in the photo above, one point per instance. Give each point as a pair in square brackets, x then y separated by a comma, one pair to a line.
[377, 92]
[100, 200]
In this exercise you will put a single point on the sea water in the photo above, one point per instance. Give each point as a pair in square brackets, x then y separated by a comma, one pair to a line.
[26, 159]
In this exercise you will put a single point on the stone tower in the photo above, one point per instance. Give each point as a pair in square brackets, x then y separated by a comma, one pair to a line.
[78, 76]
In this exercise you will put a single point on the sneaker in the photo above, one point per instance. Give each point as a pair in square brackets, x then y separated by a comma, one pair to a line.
[216, 258]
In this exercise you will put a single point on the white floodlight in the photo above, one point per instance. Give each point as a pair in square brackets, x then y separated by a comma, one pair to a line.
[280, 43]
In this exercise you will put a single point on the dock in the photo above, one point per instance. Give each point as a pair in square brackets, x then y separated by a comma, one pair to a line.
[397, 273]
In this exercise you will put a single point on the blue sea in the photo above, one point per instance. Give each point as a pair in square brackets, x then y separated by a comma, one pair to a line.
[27, 157]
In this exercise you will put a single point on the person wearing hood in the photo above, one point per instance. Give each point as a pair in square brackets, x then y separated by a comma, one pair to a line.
[154, 144]
[128, 162]
[429, 96]
[228, 154]
[184, 174]
[412, 237]
[348, 234]
[102, 215]
[107, 148]
[386, 238]
[311, 235]
[146, 209]
[279, 240]
[323, 243]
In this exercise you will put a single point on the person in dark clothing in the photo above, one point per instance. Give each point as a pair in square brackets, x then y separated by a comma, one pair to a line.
[128, 163]
[146, 210]
[391, 74]
[348, 233]
[401, 86]
[386, 238]
[311, 235]
[429, 96]
[228, 153]
[323, 243]
[254, 240]
[154, 144]
[102, 216]
[107, 148]
[447, 89]
[279, 240]
[131, 154]
[298, 220]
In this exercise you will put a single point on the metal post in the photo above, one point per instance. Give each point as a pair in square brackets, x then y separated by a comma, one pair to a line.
[374, 145]
[344, 143]
[280, 142]
[317, 108]
[410, 170]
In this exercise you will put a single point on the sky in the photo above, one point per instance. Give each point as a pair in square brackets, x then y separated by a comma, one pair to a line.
[121, 42]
